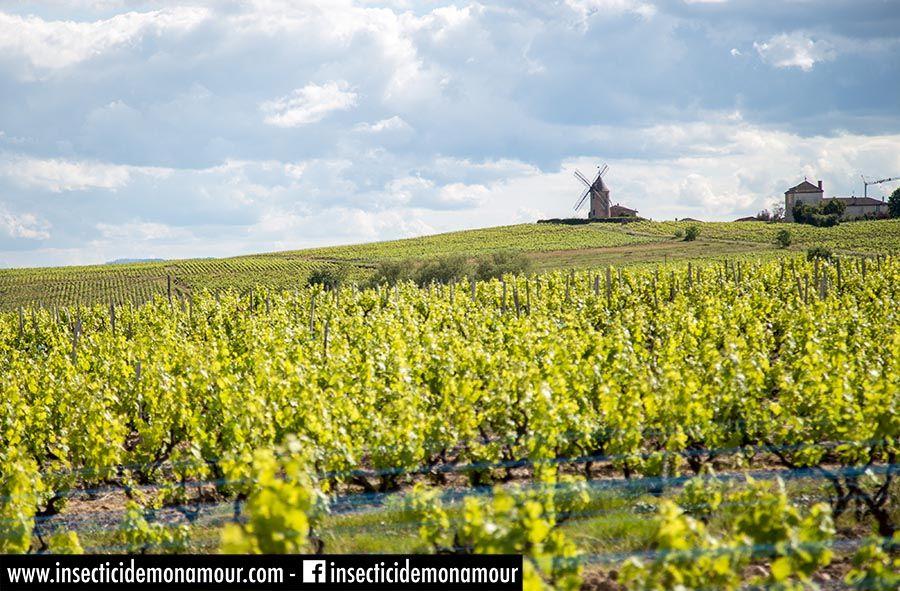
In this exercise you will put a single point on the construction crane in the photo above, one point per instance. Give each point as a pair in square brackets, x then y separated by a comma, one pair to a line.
[878, 182]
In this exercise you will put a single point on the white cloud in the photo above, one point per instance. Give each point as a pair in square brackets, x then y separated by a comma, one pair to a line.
[141, 232]
[58, 175]
[58, 44]
[462, 195]
[415, 191]
[588, 8]
[795, 50]
[394, 123]
[309, 104]
[27, 226]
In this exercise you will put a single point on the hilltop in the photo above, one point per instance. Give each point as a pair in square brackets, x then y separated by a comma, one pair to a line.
[549, 246]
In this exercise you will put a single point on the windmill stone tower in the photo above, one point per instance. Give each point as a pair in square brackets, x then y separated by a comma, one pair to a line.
[599, 194]
[599, 200]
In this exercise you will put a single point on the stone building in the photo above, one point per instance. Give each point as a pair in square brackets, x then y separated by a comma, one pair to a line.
[805, 192]
[599, 199]
[854, 207]
[620, 211]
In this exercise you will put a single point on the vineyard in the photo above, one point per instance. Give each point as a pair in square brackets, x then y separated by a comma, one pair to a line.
[549, 246]
[878, 237]
[697, 425]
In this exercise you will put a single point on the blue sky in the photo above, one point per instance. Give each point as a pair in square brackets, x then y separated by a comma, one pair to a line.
[179, 129]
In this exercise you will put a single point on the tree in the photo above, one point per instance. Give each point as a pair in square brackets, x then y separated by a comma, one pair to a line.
[783, 238]
[894, 204]
[691, 233]
[502, 263]
[328, 277]
[778, 212]
[834, 207]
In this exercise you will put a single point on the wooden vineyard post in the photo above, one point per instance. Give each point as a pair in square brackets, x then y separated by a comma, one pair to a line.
[609, 287]
[672, 280]
[325, 338]
[503, 297]
[112, 317]
[76, 333]
[840, 281]
[527, 296]
[596, 285]
[21, 322]
[516, 297]
[567, 289]
[689, 275]
[169, 288]
[312, 313]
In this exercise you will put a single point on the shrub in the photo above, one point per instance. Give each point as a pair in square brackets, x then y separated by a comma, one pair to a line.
[679, 233]
[502, 263]
[783, 238]
[328, 277]
[834, 207]
[894, 204]
[443, 270]
[819, 215]
[392, 272]
[818, 252]
[691, 233]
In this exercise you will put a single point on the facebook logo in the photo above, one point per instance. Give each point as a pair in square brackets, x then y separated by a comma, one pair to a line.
[313, 571]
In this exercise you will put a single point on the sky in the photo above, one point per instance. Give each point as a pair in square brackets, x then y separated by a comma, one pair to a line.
[192, 129]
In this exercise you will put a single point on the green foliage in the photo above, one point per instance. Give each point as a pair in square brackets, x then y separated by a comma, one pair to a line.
[874, 569]
[139, 536]
[687, 556]
[511, 521]
[702, 496]
[65, 542]
[764, 526]
[443, 270]
[502, 263]
[783, 238]
[21, 490]
[873, 236]
[834, 207]
[818, 252]
[691, 233]
[822, 215]
[894, 204]
[139, 282]
[659, 372]
[327, 277]
[282, 509]
[392, 272]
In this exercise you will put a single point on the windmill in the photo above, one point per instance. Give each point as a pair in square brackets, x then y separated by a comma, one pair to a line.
[598, 192]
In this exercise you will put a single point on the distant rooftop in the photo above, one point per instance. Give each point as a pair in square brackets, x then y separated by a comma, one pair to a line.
[856, 200]
[805, 187]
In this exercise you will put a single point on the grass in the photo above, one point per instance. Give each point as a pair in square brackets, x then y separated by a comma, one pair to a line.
[550, 246]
